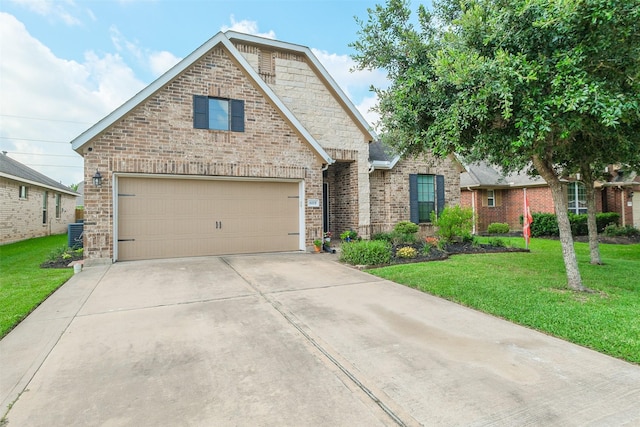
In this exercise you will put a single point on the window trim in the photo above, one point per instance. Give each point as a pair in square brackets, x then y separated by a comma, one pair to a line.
[573, 189]
[58, 198]
[23, 195]
[439, 191]
[491, 198]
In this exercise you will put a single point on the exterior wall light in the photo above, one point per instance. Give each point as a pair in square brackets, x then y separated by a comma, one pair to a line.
[97, 179]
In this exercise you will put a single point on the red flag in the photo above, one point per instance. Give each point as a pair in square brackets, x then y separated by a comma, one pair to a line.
[527, 219]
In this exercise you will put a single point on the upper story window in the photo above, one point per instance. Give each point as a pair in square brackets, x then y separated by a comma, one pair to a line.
[23, 192]
[218, 113]
[577, 198]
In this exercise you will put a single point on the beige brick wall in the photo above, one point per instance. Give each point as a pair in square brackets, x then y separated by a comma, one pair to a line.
[158, 137]
[390, 190]
[22, 219]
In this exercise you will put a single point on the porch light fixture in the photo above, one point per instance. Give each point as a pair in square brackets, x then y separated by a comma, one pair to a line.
[97, 179]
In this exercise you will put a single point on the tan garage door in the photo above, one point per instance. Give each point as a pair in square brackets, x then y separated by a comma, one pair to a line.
[169, 218]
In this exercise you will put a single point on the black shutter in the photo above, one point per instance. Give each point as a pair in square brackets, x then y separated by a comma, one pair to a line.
[237, 115]
[439, 194]
[200, 112]
[414, 211]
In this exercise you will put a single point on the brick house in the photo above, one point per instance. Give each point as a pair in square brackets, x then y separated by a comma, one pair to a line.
[32, 204]
[247, 145]
[496, 197]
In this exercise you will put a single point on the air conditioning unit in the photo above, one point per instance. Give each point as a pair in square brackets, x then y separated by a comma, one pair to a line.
[74, 235]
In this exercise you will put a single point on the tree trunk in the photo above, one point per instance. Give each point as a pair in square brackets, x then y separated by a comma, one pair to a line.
[546, 171]
[592, 226]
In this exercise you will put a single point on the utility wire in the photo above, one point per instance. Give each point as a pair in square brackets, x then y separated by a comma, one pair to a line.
[35, 140]
[45, 120]
[44, 154]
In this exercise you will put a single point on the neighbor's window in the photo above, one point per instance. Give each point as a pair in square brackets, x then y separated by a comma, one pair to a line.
[491, 198]
[23, 192]
[577, 198]
[426, 196]
[218, 113]
[58, 205]
[45, 196]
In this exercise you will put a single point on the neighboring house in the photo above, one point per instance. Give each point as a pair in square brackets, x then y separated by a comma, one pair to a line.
[32, 204]
[247, 145]
[498, 197]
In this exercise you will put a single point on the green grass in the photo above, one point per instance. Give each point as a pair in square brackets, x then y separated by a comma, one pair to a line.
[23, 284]
[530, 289]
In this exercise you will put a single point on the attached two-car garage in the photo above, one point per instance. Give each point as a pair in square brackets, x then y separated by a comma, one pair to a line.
[175, 217]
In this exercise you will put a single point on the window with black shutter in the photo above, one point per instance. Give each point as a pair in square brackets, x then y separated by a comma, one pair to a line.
[218, 113]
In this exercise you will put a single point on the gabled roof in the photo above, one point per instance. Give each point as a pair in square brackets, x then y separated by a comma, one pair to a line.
[224, 39]
[12, 169]
[381, 156]
[344, 99]
[484, 175]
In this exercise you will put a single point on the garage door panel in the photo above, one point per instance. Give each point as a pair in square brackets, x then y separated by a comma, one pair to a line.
[163, 218]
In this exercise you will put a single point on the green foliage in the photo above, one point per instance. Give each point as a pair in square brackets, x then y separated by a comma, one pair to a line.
[406, 252]
[613, 230]
[496, 241]
[454, 222]
[349, 235]
[387, 237]
[545, 224]
[498, 228]
[406, 227]
[403, 238]
[366, 252]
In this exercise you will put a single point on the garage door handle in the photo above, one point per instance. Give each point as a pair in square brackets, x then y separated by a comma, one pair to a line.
[218, 225]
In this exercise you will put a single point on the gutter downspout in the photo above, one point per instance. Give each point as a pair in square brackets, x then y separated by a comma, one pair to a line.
[473, 209]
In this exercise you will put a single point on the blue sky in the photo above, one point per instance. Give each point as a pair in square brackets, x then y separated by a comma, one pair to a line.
[65, 64]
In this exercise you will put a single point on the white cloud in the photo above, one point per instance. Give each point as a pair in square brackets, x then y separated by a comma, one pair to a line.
[156, 62]
[162, 61]
[55, 9]
[247, 27]
[46, 98]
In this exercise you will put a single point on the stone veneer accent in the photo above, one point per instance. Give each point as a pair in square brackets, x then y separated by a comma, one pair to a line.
[313, 103]
[157, 137]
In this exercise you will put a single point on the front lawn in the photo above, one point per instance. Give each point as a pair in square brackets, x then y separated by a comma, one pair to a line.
[530, 289]
[23, 284]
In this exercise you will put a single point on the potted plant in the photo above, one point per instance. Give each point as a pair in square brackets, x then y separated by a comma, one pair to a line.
[317, 244]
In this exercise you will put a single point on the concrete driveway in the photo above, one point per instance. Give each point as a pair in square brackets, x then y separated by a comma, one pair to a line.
[290, 340]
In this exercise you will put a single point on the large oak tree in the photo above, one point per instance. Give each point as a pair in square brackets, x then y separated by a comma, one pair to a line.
[519, 83]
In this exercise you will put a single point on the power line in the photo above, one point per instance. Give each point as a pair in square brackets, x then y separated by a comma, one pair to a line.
[45, 154]
[45, 120]
[56, 166]
[35, 140]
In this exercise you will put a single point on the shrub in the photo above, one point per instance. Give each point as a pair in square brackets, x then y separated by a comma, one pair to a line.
[406, 252]
[454, 222]
[366, 252]
[406, 227]
[498, 228]
[613, 230]
[495, 241]
[403, 238]
[349, 235]
[545, 224]
[387, 237]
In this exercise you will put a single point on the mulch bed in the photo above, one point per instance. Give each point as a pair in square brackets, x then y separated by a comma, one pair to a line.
[436, 254]
[61, 262]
